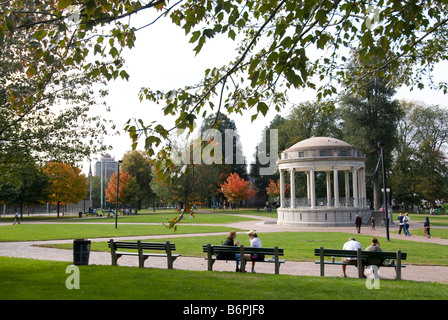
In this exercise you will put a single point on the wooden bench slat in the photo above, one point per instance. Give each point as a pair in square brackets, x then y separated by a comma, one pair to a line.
[225, 249]
[337, 253]
[365, 254]
[342, 263]
[248, 250]
[145, 245]
[127, 253]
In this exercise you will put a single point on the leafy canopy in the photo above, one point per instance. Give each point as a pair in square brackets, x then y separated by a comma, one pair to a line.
[282, 45]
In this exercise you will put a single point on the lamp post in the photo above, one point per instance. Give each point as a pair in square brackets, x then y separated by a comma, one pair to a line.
[118, 186]
[381, 144]
[102, 187]
[90, 187]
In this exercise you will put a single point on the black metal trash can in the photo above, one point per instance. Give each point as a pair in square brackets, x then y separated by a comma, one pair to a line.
[80, 214]
[81, 252]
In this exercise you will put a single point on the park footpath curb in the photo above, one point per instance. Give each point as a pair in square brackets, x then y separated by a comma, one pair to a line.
[34, 250]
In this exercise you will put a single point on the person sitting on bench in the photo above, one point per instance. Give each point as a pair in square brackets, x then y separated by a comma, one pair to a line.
[375, 246]
[231, 256]
[256, 243]
[351, 244]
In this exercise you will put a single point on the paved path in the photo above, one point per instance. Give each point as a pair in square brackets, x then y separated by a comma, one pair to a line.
[32, 250]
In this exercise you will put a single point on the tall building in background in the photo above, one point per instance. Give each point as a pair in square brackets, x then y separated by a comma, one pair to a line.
[105, 169]
[107, 165]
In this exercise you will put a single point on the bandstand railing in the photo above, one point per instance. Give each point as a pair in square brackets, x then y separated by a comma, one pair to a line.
[323, 202]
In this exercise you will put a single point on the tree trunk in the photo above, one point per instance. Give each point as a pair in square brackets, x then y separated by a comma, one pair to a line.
[377, 196]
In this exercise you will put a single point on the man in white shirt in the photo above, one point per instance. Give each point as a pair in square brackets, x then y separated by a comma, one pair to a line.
[351, 244]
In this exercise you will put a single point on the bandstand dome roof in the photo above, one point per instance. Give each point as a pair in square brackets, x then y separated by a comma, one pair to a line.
[324, 152]
[319, 142]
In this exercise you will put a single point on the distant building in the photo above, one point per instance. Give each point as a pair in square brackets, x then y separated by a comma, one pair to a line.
[108, 165]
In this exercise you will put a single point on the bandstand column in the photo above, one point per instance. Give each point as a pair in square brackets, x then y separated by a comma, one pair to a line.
[362, 187]
[308, 193]
[336, 187]
[312, 188]
[355, 187]
[282, 189]
[347, 189]
[328, 189]
[364, 190]
[292, 188]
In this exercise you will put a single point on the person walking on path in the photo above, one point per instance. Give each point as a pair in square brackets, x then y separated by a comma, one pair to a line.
[372, 220]
[16, 218]
[400, 222]
[358, 223]
[427, 226]
[406, 221]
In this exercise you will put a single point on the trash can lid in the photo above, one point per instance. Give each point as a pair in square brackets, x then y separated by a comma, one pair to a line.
[81, 240]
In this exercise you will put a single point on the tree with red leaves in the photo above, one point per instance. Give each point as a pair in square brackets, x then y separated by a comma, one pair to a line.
[127, 192]
[237, 189]
[273, 189]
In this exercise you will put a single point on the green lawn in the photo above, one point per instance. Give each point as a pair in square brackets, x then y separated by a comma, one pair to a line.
[29, 232]
[164, 217]
[43, 280]
[299, 246]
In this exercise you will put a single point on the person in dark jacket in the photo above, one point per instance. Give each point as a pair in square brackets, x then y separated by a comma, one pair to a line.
[426, 225]
[358, 223]
[400, 222]
[230, 241]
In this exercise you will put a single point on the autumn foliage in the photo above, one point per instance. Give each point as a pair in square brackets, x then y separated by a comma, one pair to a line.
[128, 189]
[67, 183]
[273, 189]
[236, 188]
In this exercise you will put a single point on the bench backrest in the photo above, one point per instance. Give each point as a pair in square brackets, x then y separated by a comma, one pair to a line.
[382, 255]
[145, 245]
[364, 254]
[237, 249]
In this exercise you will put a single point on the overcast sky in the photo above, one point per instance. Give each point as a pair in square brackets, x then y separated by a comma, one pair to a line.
[164, 59]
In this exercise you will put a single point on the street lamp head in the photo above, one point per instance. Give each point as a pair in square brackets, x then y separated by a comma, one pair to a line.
[381, 144]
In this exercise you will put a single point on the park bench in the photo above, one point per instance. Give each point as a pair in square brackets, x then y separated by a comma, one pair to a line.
[361, 257]
[140, 246]
[212, 251]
